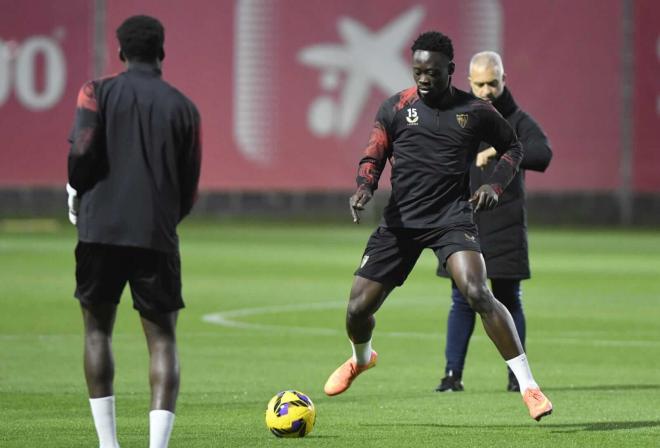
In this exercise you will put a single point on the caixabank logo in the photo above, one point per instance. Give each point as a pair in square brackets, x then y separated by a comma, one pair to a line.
[367, 59]
[350, 64]
[19, 70]
[312, 76]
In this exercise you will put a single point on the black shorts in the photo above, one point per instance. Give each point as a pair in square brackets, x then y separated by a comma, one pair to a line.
[391, 253]
[102, 271]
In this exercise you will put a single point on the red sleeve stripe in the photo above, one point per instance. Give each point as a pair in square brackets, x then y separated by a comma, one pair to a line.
[406, 97]
[498, 189]
[378, 142]
[507, 158]
[87, 98]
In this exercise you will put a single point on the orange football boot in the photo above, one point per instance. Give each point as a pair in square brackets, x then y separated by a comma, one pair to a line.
[341, 379]
[538, 404]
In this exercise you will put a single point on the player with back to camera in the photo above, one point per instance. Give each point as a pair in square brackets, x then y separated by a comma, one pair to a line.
[431, 134]
[134, 167]
[503, 230]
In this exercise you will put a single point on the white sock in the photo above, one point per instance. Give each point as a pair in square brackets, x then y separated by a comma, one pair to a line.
[362, 352]
[103, 412]
[520, 368]
[160, 428]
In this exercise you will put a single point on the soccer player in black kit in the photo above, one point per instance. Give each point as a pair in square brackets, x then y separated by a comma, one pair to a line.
[431, 134]
[134, 167]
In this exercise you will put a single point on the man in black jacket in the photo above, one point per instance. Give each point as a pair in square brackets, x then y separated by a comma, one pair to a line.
[503, 230]
[134, 167]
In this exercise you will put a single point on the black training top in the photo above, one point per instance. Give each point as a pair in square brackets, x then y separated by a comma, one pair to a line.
[431, 150]
[134, 160]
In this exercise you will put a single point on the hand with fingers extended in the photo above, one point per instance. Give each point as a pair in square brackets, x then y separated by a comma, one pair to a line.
[358, 201]
[484, 198]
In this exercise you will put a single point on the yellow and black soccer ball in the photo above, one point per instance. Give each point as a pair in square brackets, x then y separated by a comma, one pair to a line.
[290, 414]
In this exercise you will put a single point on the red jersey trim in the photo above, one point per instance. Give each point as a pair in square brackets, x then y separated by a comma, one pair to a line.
[406, 98]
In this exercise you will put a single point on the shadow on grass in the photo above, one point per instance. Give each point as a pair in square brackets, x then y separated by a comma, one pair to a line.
[611, 387]
[562, 427]
[603, 426]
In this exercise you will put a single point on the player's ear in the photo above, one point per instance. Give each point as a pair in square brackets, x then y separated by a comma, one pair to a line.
[161, 54]
[450, 68]
[121, 56]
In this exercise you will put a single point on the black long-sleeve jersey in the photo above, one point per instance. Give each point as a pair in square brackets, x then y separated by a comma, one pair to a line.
[135, 159]
[431, 150]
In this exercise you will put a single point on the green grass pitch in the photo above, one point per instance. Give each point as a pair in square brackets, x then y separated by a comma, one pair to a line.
[593, 312]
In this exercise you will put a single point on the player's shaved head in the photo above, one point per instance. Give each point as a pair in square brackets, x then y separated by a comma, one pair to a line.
[485, 60]
[487, 77]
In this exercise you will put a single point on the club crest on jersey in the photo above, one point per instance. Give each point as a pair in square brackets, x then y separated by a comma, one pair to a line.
[412, 118]
[462, 120]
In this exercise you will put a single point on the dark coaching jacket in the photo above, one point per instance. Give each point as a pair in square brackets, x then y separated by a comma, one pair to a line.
[503, 230]
[134, 160]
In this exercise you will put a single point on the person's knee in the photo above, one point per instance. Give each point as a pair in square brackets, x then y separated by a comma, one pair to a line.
[458, 300]
[358, 307]
[97, 340]
[479, 297]
[362, 303]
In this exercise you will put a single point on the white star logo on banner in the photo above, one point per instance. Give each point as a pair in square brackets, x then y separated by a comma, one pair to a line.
[367, 59]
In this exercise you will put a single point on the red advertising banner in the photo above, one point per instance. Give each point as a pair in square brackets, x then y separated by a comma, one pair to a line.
[563, 62]
[646, 111]
[288, 89]
[45, 56]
